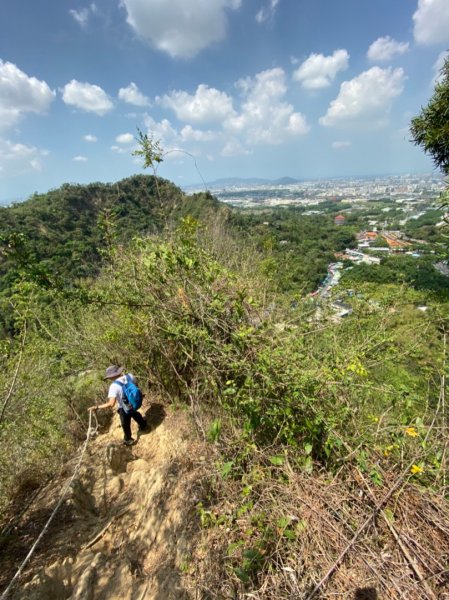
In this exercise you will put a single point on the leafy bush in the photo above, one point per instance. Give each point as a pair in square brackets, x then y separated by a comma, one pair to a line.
[199, 332]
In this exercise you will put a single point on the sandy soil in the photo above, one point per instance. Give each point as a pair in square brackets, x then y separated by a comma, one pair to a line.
[129, 526]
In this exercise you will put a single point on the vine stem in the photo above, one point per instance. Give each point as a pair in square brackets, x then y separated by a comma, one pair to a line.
[16, 372]
[443, 411]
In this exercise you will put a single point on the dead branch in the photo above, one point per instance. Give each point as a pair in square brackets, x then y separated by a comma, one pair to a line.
[360, 530]
[411, 561]
[16, 372]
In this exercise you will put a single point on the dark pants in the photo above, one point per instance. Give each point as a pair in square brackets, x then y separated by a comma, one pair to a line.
[125, 420]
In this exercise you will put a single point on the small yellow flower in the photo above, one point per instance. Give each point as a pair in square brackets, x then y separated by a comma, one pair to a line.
[411, 431]
[388, 450]
[416, 470]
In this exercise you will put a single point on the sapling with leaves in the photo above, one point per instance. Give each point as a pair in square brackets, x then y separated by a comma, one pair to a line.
[151, 151]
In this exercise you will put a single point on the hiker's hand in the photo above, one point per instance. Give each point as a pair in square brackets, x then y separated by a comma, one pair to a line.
[91, 408]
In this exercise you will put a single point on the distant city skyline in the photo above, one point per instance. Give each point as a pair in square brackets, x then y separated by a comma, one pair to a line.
[399, 187]
[308, 89]
[434, 174]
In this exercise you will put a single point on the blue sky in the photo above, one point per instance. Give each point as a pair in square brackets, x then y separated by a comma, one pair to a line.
[266, 88]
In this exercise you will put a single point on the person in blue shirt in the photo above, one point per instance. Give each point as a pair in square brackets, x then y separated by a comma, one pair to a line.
[116, 396]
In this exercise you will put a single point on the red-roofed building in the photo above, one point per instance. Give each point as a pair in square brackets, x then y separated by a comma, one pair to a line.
[339, 220]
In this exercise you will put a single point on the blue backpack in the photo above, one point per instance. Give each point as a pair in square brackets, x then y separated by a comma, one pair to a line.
[133, 395]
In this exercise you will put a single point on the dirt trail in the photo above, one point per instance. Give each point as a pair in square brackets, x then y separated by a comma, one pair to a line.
[129, 526]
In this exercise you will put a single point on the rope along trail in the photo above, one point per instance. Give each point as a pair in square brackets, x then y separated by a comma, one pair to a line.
[55, 510]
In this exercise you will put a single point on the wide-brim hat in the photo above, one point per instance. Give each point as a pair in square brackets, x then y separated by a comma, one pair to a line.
[113, 371]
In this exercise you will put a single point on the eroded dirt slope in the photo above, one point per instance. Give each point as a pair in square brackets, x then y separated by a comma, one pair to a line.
[129, 526]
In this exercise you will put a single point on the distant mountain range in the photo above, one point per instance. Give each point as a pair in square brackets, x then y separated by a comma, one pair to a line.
[285, 181]
[245, 181]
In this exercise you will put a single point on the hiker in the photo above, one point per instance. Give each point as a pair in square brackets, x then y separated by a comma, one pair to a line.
[117, 394]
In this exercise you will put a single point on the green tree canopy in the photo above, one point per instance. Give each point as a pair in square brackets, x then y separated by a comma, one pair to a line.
[430, 129]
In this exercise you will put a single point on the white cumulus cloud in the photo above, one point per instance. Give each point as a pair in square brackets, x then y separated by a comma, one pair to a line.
[258, 114]
[90, 138]
[124, 138]
[162, 131]
[86, 96]
[385, 48]
[265, 117]
[132, 95]
[431, 22]
[21, 94]
[297, 124]
[82, 15]
[268, 12]
[318, 71]
[234, 148]
[16, 158]
[189, 134]
[179, 28]
[80, 158]
[340, 145]
[119, 149]
[366, 99]
[178, 155]
[206, 105]
[438, 65]
[176, 144]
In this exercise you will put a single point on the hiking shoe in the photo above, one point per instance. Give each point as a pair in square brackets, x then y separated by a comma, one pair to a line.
[130, 442]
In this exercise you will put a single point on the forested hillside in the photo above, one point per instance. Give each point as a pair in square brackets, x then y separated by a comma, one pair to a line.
[297, 248]
[59, 237]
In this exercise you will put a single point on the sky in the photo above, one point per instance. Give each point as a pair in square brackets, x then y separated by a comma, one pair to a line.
[230, 88]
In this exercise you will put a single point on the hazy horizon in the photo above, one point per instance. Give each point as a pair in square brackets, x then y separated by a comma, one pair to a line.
[199, 184]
